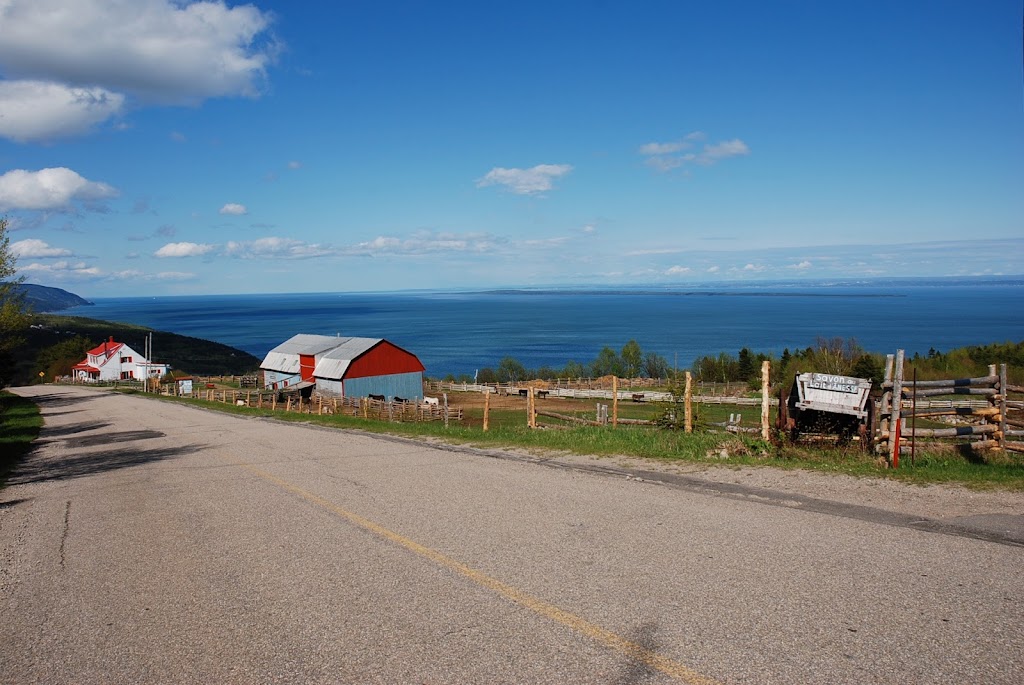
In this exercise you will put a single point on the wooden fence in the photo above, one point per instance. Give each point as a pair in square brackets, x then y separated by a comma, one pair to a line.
[322, 405]
[990, 420]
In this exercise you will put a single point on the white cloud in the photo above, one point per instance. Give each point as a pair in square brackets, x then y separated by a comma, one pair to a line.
[174, 276]
[665, 157]
[184, 250]
[41, 110]
[677, 270]
[49, 189]
[178, 137]
[33, 248]
[800, 265]
[530, 181]
[294, 165]
[730, 148]
[664, 148]
[234, 209]
[276, 248]
[427, 242]
[714, 269]
[62, 271]
[654, 251]
[79, 59]
[754, 267]
[589, 228]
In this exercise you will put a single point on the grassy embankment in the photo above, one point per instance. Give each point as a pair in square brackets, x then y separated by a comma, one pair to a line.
[20, 423]
[183, 353]
[940, 464]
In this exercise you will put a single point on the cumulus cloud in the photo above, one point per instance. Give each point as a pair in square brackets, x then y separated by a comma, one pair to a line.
[234, 209]
[50, 189]
[754, 267]
[679, 153]
[184, 250]
[41, 110]
[530, 181]
[277, 248]
[677, 270]
[33, 248]
[79, 59]
[800, 265]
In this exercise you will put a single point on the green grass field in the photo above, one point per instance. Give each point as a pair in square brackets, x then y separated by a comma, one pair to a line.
[20, 423]
[933, 464]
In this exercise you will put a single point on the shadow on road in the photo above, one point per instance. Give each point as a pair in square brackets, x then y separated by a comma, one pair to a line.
[636, 671]
[108, 438]
[37, 469]
[61, 399]
[48, 434]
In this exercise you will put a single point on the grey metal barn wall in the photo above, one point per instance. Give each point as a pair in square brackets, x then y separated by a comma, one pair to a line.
[405, 385]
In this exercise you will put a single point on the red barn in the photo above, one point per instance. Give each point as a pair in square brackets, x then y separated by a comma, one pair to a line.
[349, 367]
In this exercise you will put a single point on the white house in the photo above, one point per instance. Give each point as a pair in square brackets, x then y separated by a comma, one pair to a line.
[114, 361]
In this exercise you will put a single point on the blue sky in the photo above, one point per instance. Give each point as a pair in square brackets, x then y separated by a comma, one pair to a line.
[153, 147]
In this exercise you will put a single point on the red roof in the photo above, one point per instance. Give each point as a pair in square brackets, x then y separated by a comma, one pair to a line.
[85, 367]
[106, 349]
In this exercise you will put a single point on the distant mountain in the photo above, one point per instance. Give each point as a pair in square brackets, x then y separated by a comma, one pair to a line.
[41, 298]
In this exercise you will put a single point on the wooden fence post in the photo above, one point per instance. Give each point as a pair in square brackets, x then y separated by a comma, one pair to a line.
[529, 408]
[897, 408]
[487, 410]
[1002, 406]
[688, 399]
[615, 401]
[765, 395]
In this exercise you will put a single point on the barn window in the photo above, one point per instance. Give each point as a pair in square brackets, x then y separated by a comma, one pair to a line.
[126, 360]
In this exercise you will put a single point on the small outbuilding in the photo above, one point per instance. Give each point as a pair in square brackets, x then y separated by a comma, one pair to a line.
[345, 367]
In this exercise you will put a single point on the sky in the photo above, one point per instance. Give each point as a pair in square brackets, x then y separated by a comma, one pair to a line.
[162, 147]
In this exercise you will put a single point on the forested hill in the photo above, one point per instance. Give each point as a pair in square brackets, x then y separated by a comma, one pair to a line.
[42, 298]
[53, 337]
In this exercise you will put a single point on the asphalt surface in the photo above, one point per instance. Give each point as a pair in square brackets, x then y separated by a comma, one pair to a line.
[145, 541]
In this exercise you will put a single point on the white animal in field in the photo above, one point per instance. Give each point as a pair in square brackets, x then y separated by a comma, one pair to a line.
[432, 401]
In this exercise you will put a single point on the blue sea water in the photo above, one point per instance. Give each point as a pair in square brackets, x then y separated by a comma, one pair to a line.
[459, 332]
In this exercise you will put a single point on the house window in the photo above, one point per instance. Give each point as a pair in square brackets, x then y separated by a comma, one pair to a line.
[125, 375]
[126, 360]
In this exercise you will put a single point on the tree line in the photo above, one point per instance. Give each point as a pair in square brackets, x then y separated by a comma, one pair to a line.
[839, 356]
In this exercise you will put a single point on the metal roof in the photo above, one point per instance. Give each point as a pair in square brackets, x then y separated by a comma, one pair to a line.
[333, 364]
[285, 357]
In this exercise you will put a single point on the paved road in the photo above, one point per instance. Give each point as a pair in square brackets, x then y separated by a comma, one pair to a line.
[150, 542]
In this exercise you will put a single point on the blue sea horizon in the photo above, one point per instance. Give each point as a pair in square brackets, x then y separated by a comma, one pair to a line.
[458, 331]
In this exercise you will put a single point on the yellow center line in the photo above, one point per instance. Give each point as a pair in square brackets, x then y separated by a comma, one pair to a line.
[538, 606]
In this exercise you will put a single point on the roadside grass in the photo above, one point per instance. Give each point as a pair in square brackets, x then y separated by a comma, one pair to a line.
[20, 423]
[933, 464]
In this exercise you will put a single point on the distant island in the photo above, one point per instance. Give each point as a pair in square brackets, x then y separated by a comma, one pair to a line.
[42, 298]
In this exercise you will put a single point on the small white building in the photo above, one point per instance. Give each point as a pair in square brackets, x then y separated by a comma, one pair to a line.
[115, 361]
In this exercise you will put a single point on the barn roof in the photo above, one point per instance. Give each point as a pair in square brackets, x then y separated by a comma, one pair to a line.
[285, 357]
[335, 363]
